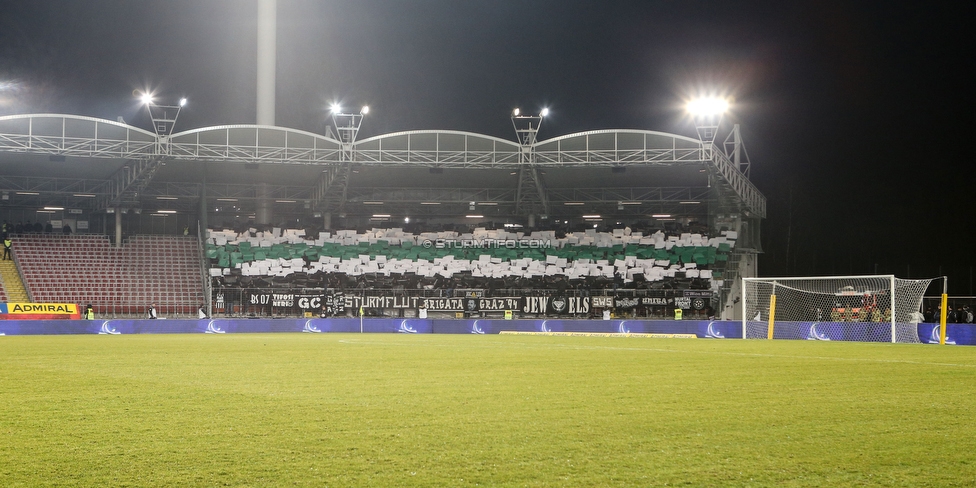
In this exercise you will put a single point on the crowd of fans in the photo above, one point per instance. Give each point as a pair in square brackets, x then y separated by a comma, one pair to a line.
[492, 285]
[31, 228]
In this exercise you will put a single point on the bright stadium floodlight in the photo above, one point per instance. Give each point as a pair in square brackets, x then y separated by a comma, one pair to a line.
[527, 126]
[163, 116]
[707, 107]
[347, 127]
[707, 113]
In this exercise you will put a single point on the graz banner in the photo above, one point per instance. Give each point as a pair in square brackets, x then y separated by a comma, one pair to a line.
[335, 304]
[472, 304]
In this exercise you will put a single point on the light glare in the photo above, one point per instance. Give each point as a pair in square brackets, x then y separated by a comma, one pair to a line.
[708, 106]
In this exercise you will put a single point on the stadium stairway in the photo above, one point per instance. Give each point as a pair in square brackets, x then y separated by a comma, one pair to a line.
[11, 286]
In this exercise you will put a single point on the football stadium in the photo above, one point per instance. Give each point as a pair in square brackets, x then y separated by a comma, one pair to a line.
[256, 305]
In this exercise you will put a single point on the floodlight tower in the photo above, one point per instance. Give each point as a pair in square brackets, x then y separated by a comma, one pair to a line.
[527, 130]
[163, 119]
[527, 126]
[347, 128]
[333, 185]
[707, 114]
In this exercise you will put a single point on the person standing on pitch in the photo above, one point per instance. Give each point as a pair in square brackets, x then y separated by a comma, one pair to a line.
[151, 313]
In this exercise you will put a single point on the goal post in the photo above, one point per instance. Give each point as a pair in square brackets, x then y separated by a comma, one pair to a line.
[876, 308]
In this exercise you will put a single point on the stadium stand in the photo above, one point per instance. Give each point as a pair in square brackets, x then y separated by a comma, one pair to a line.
[124, 281]
[495, 260]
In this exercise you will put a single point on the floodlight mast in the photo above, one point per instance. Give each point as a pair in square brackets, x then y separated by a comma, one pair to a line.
[347, 128]
[531, 195]
[527, 126]
[163, 118]
[707, 114]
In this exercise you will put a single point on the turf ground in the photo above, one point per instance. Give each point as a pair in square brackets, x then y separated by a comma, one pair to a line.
[467, 410]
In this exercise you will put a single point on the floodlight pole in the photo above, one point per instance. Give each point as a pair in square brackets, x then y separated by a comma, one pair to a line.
[707, 127]
[164, 120]
[527, 131]
[347, 128]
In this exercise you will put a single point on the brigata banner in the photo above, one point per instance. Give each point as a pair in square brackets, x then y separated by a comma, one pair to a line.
[39, 311]
[472, 304]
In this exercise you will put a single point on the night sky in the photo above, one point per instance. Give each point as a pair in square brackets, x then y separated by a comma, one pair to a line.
[854, 114]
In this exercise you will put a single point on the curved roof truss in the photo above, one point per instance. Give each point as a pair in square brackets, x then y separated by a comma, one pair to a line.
[88, 137]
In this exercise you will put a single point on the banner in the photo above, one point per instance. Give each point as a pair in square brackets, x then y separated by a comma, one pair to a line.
[444, 304]
[39, 311]
[296, 301]
[355, 302]
[555, 305]
[626, 303]
[472, 301]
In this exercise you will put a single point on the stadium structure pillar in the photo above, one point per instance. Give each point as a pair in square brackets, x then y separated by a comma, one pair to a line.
[262, 213]
[327, 220]
[118, 227]
[531, 221]
[266, 65]
[203, 208]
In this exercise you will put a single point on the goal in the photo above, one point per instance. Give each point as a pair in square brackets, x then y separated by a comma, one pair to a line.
[835, 308]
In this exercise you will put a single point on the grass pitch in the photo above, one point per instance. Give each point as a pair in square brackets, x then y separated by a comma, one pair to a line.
[466, 410]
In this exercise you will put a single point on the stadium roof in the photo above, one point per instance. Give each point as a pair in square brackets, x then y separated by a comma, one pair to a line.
[93, 164]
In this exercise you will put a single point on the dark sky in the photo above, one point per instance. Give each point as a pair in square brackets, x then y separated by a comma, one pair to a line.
[854, 113]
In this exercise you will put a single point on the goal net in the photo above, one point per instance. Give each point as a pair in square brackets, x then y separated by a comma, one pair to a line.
[841, 308]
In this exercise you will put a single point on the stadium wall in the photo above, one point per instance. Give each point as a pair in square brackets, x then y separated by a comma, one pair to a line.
[960, 334]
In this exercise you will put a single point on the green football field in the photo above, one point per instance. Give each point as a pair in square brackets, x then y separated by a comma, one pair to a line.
[482, 410]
